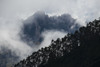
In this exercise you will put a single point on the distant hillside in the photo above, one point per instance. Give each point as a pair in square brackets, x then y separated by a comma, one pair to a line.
[80, 49]
[41, 22]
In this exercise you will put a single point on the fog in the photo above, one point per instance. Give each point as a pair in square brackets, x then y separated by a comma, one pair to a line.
[50, 35]
[14, 12]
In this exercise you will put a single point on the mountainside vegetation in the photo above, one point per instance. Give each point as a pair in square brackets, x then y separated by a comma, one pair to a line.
[78, 49]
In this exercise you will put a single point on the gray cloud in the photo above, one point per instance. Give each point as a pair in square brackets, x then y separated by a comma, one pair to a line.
[10, 39]
[39, 22]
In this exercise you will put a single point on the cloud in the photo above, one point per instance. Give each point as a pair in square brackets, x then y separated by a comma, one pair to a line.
[10, 39]
[83, 10]
[11, 28]
[40, 22]
[49, 35]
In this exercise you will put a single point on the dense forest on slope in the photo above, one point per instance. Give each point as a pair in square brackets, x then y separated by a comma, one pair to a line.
[80, 49]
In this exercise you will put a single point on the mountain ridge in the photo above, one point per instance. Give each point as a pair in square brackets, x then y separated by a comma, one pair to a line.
[77, 49]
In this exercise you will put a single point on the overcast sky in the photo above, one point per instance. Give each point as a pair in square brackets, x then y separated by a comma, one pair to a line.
[80, 9]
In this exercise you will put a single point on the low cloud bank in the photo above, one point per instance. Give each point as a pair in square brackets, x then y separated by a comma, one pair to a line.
[37, 26]
[51, 35]
[10, 39]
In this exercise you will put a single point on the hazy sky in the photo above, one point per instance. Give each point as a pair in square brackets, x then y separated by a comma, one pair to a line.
[81, 9]
[12, 12]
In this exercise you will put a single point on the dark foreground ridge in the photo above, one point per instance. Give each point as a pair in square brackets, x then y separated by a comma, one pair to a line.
[80, 49]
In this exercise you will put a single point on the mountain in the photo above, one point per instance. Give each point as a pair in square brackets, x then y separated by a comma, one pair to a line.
[41, 22]
[32, 29]
[79, 49]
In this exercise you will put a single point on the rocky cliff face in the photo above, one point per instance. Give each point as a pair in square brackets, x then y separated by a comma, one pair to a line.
[80, 49]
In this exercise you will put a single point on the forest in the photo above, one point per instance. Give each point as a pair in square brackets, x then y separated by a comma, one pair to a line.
[78, 49]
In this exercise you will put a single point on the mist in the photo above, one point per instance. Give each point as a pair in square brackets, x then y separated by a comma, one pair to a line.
[10, 30]
[83, 10]
[50, 35]
[14, 12]
[10, 39]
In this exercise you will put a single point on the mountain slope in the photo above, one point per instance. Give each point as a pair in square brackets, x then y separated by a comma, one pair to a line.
[32, 29]
[80, 49]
